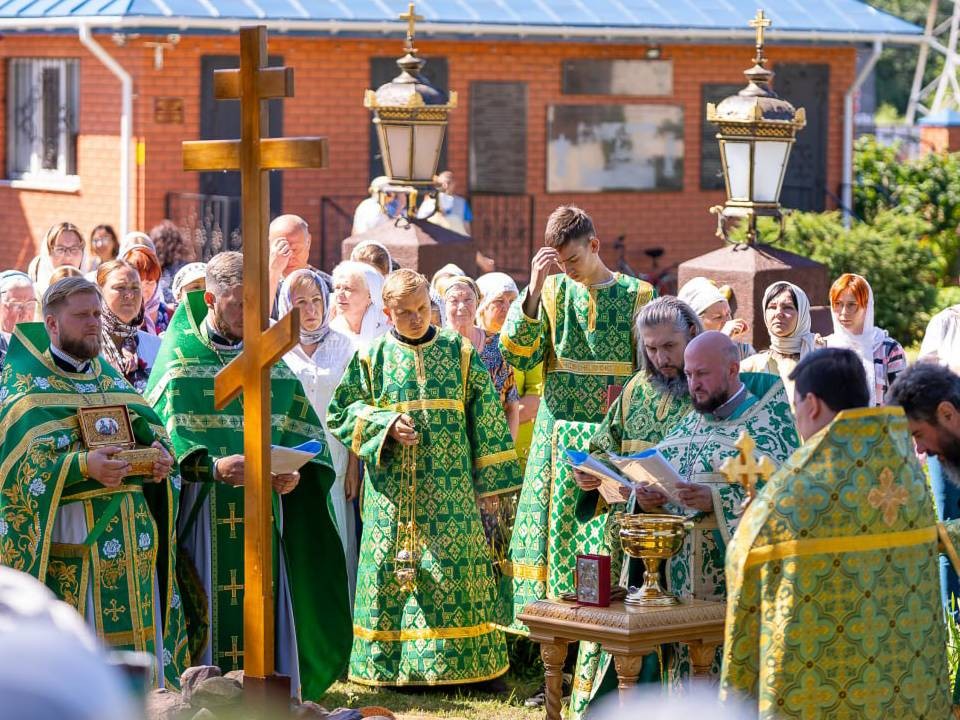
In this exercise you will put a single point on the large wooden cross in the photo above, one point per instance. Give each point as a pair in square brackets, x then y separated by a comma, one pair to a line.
[263, 346]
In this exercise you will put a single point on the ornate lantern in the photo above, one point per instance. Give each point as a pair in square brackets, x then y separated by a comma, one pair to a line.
[757, 131]
[411, 119]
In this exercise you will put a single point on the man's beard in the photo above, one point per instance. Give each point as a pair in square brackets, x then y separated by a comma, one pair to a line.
[222, 329]
[673, 386]
[949, 455]
[81, 348]
[712, 403]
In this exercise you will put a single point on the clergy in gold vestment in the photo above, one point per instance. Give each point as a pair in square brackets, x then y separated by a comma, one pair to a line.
[833, 598]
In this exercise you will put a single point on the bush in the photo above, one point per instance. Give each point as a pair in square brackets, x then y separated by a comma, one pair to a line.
[894, 253]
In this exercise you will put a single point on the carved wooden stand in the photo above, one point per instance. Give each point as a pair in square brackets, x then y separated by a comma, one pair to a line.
[628, 633]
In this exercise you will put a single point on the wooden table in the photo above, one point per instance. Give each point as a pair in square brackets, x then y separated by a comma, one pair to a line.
[627, 632]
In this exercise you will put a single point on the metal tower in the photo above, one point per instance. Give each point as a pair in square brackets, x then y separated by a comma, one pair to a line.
[943, 92]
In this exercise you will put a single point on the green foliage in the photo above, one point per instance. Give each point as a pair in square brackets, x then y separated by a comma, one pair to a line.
[887, 114]
[894, 253]
[927, 188]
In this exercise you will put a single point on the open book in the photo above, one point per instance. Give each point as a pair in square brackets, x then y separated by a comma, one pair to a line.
[610, 480]
[285, 460]
[649, 467]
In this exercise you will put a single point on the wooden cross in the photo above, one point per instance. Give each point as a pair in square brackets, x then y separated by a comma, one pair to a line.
[232, 521]
[233, 588]
[760, 23]
[263, 346]
[744, 468]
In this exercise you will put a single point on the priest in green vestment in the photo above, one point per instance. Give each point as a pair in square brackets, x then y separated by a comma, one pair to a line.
[832, 577]
[103, 540]
[310, 581]
[652, 402]
[726, 403]
[419, 408]
[577, 318]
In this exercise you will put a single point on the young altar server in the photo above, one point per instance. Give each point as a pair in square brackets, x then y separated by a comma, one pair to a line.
[418, 407]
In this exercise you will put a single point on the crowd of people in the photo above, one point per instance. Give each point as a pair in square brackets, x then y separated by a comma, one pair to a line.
[440, 505]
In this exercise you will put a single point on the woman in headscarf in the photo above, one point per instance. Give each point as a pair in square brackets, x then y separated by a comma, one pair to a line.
[357, 289]
[851, 304]
[192, 276]
[319, 361]
[786, 313]
[374, 254]
[130, 350]
[713, 307]
[62, 245]
[138, 250]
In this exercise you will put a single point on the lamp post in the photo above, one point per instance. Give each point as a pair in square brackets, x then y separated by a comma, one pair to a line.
[757, 131]
[411, 119]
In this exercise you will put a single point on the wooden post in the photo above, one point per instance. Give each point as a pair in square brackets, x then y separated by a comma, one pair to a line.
[263, 346]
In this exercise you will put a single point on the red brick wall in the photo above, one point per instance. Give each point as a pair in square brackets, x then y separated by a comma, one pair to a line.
[331, 75]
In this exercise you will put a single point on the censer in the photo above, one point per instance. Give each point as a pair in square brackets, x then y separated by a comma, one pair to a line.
[407, 557]
[652, 539]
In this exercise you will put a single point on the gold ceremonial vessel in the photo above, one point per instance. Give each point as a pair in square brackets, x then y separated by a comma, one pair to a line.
[651, 538]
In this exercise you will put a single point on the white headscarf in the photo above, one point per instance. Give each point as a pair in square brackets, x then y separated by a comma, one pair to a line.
[801, 341]
[374, 323]
[865, 344]
[41, 267]
[285, 304]
[191, 272]
[492, 285]
[700, 293]
[383, 247]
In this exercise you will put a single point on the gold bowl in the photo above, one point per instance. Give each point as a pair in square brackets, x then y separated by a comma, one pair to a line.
[652, 539]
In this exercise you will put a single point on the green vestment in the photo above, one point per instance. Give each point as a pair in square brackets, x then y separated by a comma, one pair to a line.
[422, 501]
[639, 419]
[696, 448]
[126, 547]
[181, 391]
[833, 584]
[584, 337]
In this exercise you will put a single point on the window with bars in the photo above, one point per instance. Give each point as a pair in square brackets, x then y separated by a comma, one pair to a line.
[42, 101]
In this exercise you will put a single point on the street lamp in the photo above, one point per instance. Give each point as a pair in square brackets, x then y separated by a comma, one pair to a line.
[757, 131]
[411, 119]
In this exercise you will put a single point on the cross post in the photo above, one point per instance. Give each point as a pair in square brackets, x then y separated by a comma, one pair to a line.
[263, 346]
[745, 469]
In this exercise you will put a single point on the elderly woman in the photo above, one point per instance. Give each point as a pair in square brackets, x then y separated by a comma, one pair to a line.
[18, 303]
[709, 302]
[130, 350]
[359, 306]
[62, 245]
[851, 304]
[786, 313]
[461, 298]
[138, 250]
[319, 361]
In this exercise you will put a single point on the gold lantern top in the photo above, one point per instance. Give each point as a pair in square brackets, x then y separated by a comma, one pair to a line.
[757, 109]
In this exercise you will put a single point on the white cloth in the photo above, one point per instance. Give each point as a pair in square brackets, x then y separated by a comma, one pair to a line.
[374, 322]
[191, 272]
[941, 341]
[801, 341]
[383, 247]
[492, 285]
[454, 212]
[368, 215]
[320, 374]
[865, 345]
[700, 294]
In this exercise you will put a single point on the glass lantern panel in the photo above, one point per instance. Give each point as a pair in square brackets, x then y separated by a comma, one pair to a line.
[427, 151]
[768, 170]
[737, 158]
[396, 156]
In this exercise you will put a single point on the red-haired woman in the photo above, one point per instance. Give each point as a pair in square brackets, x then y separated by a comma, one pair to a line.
[851, 302]
[137, 249]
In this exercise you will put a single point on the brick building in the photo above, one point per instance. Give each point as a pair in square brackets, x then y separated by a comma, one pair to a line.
[558, 103]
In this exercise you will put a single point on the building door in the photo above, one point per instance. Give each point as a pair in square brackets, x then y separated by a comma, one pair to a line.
[383, 70]
[807, 86]
[220, 120]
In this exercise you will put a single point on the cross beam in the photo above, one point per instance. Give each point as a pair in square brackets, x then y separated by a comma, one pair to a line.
[263, 346]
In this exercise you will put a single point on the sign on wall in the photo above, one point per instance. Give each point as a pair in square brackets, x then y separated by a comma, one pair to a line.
[651, 78]
[603, 148]
[498, 137]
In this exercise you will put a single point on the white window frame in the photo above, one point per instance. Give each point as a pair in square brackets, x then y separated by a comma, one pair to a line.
[25, 135]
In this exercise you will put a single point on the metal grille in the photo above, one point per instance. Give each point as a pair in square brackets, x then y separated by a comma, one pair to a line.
[212, 222]
[41, 117]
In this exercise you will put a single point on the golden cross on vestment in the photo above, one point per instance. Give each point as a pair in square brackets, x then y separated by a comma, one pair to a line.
[233, 588]
[235, 652]
[744, 468]
[263, 346]
[115, 610]
[232, 521]
[411, 18]
[760, 23]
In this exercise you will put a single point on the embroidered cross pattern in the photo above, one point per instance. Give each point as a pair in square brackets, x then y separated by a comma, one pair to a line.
[233, 520]
[888, 498]
[233, 587]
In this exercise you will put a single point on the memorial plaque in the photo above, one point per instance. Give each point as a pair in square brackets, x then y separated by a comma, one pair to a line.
[609, 148]
[168, 110]
[498, 137]
[652, 78]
